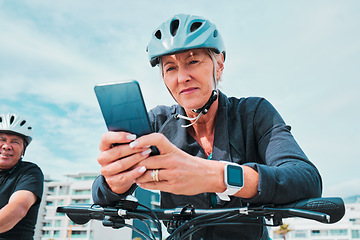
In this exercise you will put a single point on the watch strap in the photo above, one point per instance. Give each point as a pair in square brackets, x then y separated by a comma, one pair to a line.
[228, 192]
[224, 196]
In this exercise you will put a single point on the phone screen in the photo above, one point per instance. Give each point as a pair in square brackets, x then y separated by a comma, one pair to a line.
[123, 107]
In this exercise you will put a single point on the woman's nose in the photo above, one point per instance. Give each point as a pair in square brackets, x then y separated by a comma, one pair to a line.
[183, 75]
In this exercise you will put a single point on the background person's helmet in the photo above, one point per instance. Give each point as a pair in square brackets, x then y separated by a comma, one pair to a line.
[14, 124]
[181, 33]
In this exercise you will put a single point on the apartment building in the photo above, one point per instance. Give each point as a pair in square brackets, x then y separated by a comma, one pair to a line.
[57, 226]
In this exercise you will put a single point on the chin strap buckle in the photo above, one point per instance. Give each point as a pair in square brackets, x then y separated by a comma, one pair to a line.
[207, 106]
[200, 111]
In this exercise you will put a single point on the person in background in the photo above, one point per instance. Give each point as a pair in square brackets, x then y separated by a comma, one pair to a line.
[21, 182]
[215, 151]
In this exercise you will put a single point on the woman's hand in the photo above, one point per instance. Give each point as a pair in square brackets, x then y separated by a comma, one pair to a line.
[178, 172]
[119, 162]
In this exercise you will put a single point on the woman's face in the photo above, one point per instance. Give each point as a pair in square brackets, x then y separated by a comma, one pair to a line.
[11, 150]
[189, 77]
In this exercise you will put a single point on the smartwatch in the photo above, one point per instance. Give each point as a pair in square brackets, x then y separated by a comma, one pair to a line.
[234, 180]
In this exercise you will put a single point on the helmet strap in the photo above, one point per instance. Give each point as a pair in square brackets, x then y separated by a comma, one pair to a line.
[200, 111]
[208, 104]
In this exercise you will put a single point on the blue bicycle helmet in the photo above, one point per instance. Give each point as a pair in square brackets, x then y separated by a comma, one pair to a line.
[181, 33]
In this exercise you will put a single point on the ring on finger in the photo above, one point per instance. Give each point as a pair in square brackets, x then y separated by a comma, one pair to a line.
[153, 175]
[156, 175]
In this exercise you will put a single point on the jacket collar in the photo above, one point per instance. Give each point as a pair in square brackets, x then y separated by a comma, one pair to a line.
[182, 139]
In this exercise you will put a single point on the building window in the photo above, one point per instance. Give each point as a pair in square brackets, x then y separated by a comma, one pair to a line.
[46, 233]
[56, 234]
[51, 190]
[315, 233]
[277, 236]
[300, 234]
[338, 232]
[58, 223]
[355, 221]
[47, 224]
[78, 234]
[355, 234]
[319, 233]
[64, 190]
[82, 192]
[79, 201]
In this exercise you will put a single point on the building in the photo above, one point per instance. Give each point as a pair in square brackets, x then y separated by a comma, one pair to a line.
[57, 226]
[150, 199]
[346, 229]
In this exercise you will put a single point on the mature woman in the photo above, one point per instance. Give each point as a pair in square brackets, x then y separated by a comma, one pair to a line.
[204, 138]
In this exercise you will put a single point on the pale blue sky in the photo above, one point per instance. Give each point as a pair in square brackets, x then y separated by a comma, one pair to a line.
[303, 56]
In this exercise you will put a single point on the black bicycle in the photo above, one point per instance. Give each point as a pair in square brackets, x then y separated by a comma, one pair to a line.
[183, 221]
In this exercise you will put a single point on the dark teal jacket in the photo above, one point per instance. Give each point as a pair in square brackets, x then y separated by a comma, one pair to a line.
[248, 131]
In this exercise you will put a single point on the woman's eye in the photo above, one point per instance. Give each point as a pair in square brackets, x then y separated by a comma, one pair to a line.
[193, 62]
[170, 69]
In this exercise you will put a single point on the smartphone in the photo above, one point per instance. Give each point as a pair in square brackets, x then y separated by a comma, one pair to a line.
[123, 108]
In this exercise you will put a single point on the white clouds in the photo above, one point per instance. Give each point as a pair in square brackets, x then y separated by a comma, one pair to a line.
[43, 64]
[66, 139]
[302, 56]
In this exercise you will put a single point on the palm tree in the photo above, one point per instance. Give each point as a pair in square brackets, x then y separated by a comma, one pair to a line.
[283, 230]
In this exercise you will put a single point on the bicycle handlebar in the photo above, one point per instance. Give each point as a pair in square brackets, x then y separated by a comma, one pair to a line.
[334, 207]
[325, 210]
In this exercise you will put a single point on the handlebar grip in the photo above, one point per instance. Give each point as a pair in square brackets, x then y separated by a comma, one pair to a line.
[332, 206]
[81, 213]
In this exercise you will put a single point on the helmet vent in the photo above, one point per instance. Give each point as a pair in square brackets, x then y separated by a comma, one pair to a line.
[22, 123]
[158, 34]
[0, 119]
[12, 119]
[29, 128]
[216, 33]
[174, 27]
[195, 26]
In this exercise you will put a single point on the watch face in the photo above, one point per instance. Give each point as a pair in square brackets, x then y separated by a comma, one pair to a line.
[235, 176]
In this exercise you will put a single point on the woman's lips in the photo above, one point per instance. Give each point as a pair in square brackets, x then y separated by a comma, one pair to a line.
[188, 90]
